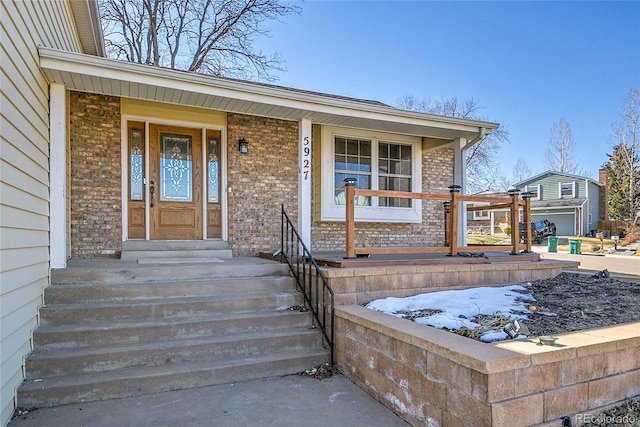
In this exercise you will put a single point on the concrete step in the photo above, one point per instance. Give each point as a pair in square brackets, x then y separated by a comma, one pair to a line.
[48, 337]
[113, 328]
[153, 353]
[64, 389]
[111, 311]
[110, 270]
[173, 245]
[91, 292]
[172, 250]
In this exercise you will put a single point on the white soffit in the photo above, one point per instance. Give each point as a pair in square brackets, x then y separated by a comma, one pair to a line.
[87, 20]
[118, 78]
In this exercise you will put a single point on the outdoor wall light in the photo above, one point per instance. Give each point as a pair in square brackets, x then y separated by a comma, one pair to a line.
[243, 146]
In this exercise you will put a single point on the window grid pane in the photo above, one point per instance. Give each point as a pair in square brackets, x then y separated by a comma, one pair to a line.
[394, 173]
[352, 159]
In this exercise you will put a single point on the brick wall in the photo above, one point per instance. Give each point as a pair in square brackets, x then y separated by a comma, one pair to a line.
[261, 181]
[96, 209]
[437, 176]
[603, 177]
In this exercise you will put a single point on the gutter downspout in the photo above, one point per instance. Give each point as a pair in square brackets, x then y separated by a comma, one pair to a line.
[461, 177]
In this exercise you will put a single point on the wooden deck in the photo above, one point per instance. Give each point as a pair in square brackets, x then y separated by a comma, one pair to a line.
[338, 260]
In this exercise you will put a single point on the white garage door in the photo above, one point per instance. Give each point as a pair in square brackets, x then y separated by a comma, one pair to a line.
[565, 223]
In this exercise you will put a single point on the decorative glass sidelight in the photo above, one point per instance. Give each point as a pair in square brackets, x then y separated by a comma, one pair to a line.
[213, 171]
[136, 164]
[176, 168]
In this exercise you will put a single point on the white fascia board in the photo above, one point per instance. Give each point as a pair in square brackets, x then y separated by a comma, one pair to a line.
[191, 82]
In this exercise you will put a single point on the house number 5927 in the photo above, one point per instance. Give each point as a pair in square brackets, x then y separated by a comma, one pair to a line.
[306, 154]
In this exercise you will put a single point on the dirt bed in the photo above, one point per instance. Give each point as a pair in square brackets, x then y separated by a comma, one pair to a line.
[581, 302]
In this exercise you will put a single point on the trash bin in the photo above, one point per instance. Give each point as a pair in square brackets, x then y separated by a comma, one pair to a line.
[574, 246]
[552, 244]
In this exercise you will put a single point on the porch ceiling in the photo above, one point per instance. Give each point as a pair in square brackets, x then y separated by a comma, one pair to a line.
[118, 78]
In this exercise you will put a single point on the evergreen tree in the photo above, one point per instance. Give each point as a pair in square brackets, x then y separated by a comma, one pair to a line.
[624, 162]
[620, 207]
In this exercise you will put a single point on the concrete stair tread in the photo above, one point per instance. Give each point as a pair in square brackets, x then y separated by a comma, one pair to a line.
[164, 322]
[52, 391]
[60, 293]
[169, 300]
[167, 344]
[118, 271]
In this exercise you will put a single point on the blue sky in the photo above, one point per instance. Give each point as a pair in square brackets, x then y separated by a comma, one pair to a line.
[528, 63]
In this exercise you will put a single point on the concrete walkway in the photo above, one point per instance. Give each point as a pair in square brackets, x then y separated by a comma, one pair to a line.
[285, 401]
[620, 264]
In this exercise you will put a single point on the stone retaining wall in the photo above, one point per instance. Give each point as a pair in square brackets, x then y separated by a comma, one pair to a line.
[431, 377]
[363, 284]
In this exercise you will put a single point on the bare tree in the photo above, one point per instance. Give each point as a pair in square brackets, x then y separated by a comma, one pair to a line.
[520, 171]
[560, 153]
[206, 36]
[625, 158]
[483, 166]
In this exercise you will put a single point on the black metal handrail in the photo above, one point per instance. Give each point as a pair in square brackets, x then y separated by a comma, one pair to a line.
[314, 286]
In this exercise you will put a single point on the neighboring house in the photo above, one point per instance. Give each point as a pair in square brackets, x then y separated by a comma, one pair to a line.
[487, 221]
[96, 152]
[571, 202]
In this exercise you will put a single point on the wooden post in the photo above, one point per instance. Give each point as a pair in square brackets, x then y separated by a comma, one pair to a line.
[350, 223]
[453, 228]
[447, 222]
[515, 226]
[526, 219]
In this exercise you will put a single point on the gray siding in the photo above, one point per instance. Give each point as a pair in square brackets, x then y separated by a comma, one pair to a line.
[593, 206]
[24, 176]
[550, 186]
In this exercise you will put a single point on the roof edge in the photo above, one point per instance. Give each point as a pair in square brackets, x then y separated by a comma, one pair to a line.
[86, 15]
[326, 100]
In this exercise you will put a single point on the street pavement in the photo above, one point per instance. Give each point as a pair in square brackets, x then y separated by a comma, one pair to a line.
[620, 264]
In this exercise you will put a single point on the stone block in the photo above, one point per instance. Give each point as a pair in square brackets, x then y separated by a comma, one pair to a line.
[608, 390]
[521, 412]
[621, 360]
[582, 369]
[566, 400]
[536, 378]
[462, 409]
[441, 369]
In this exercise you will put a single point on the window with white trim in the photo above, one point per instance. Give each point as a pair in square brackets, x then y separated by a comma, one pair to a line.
[535, 190]
[480, 214]
[567, 189]
[394, 172]
[376, 162]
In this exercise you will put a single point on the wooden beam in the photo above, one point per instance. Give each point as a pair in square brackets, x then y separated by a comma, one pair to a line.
[403, 250]
[489, 207]
[350, 220]
[515, 229]
[485, 199]
[453, 229]
[401, 194]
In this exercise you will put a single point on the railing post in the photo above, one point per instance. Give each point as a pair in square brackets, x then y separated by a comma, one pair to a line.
[453, 229]
[350, 222]
[515, 214]
[447, 222]
[526, 219]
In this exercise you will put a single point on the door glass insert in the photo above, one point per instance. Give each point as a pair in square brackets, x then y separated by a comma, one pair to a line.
[176, 168]
[135, 164]
[214, 164]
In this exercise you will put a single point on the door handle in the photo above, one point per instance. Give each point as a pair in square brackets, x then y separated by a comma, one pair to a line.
[152, 190]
